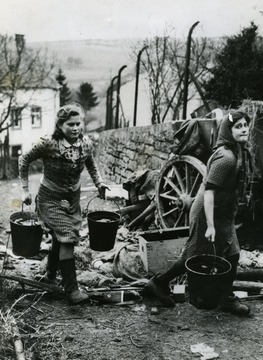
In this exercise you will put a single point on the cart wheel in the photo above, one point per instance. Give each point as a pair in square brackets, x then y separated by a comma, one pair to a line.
[176, 188]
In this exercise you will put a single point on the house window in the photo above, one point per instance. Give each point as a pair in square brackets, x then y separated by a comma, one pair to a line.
[36, 116]
[16, 117]
[16, 150]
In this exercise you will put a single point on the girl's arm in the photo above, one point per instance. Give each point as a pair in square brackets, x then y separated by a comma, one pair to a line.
[24, 162]
[209, 214]
[95, 176]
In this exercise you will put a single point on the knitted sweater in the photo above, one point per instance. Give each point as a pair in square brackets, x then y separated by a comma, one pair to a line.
[63, 162]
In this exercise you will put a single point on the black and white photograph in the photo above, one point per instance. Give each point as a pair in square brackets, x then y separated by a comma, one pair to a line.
[131, 179]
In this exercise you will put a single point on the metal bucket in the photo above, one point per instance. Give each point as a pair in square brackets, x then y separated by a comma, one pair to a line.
[204, 284]
[26, 233]
[103, 226]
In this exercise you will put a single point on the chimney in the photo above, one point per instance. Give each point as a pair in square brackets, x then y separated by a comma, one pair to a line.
[20, 41]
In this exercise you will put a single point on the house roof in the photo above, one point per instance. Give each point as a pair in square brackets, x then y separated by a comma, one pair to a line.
[49, 83]
[33, 83]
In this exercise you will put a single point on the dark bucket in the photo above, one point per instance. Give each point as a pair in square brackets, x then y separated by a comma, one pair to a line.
[26, 233]
[204, 285]
[103, 226]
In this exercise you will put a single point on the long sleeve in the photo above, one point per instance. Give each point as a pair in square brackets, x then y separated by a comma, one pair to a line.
[93, 170]
[62, 162]
[26, 159]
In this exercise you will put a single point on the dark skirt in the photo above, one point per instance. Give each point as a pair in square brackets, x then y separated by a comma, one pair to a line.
[60, 213]
[226, 241]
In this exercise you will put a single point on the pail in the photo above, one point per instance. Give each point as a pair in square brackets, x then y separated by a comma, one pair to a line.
[26, 233]
[205, 285]
[103, 226]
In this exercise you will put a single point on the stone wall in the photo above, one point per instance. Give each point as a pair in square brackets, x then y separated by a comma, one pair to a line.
[123, 151]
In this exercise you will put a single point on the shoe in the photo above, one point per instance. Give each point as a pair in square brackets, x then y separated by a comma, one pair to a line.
[160, 291]
[233, 305]
[70, 284]
[78, 297]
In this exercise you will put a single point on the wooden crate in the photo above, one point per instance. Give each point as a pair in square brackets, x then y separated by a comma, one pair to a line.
[160, 248]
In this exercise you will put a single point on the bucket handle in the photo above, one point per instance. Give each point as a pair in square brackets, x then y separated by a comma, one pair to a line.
[95, 197]
[213, 250]
[26, 205]
[32, 220]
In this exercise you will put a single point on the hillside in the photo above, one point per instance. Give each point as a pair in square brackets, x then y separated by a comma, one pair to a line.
[93, 61]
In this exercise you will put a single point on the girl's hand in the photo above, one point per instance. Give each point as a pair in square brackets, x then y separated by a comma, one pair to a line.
[26, 197]
[210, 234]
[102, 190]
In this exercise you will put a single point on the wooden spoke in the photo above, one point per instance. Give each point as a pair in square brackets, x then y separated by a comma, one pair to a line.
[170, 212]
[195, 184]
[179, 178]
[176, 188]
[173, 186]
[178, 220]
[166, 196]
[187, 177]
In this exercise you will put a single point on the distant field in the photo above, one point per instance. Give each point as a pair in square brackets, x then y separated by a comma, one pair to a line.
[93, 61]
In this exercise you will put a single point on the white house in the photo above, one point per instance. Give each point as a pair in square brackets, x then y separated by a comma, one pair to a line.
[32, 115]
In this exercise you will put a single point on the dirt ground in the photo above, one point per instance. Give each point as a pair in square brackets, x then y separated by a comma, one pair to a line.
[50, 329]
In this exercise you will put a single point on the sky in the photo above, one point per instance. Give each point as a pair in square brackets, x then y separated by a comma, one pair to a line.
[52, 20]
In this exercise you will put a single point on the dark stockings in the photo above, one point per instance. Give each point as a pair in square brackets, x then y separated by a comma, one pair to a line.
[177, 269]
[53, 258]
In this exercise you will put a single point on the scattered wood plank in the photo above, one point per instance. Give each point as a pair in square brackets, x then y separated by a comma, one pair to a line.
[130, 208]
[150, 209]
[40, 285]
[248, 286]
[58, 289]
[250, 274]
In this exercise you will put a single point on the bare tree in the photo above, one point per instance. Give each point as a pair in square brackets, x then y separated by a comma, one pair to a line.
[21, 68]
[164, 63]
[155, 64]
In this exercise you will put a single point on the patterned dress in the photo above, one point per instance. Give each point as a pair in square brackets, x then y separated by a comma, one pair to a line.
[58, 199]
